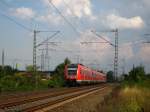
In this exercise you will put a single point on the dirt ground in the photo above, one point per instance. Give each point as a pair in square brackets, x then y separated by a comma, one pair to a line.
[86, 104]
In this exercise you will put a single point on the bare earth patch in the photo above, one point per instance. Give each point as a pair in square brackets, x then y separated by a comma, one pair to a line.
[85, 104]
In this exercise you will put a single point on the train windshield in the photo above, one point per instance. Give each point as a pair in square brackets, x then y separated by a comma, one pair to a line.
[72, 69]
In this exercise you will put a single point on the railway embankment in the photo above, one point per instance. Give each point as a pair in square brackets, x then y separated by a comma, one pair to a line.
[88, 103]
[51, 100]
[128, 98]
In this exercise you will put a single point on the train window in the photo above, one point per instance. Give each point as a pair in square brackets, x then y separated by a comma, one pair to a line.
[82, 72]
[72, 71]
[73, 66]
[85, 72]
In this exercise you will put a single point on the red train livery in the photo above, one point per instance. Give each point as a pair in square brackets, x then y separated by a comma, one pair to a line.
[77, 73]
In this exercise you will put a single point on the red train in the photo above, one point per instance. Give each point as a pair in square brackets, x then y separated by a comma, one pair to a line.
[79, 74]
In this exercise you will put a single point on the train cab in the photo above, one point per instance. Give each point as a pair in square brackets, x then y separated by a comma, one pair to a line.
[71, 73]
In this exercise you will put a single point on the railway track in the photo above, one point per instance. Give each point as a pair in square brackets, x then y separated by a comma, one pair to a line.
[5, 96]
[46, 100]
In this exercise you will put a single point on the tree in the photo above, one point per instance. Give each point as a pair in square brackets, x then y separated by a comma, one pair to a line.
[137, 73]
[60, 68]
[67, 61]
[58, 76]
[7, 70]
[0, 71]
[29, 68]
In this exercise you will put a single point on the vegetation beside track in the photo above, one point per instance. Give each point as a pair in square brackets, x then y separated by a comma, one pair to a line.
[12, 80]
[133, 94]
[58, 76]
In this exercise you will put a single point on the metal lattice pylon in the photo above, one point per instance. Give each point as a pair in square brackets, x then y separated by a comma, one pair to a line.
[116, 55]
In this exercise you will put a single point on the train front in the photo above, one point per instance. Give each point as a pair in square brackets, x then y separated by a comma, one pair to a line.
[71, 74]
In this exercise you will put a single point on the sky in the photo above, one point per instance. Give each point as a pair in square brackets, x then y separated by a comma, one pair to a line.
[75, 19]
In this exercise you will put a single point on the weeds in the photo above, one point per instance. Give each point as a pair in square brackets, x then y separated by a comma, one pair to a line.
[127, 99]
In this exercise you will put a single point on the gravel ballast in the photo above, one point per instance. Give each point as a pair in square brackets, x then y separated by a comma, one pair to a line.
[86, 104]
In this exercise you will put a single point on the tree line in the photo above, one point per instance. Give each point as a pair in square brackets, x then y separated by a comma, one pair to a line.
[12, 80]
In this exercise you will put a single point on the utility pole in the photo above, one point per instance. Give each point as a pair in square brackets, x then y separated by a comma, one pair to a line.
[45, 63]
[3, 59]
[116, 55]
[47, 56]
[42, 60]
[115, 45]
[35, 44]
[34, 51]
[116, 50]
[34, 57]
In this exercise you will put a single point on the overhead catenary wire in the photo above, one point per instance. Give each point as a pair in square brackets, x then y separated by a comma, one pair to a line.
[5, 3]
[131, 43]
[48, 38]
[32, 20]
[71, 10]
[8, 6]
[26, 28]
[59, 12]
[115, 46]
[23, 26]
[17, 23]
[98, 35]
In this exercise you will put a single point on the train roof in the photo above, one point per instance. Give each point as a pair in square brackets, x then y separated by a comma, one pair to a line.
[76, 64]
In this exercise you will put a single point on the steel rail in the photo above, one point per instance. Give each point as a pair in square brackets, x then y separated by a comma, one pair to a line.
[28, 99]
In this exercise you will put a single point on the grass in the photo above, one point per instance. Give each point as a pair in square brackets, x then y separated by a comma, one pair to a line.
[127, 98]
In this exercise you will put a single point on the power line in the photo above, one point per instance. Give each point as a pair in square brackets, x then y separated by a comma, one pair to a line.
[115, 45]
[98, 35]
[8, 5]
[17, 23]
[92, 42]
[69, 8]
[48, 38]
[75, 30]
[32, 20]
[73, 13]
[5, 3]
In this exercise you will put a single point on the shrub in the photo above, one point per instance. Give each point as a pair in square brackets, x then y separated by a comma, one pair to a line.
[57, 81]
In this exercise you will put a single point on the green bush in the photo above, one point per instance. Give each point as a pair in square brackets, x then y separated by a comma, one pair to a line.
[7, 83]
[11, 80]
[57, 81]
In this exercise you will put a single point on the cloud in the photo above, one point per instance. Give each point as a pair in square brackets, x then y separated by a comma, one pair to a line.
[81, 8]
[77, 8]
[97, 51]
[144, 53]
[126, 50]
[50, 18]
[89, 52]
[146, 2]
[115, 21]
[55, 2]
[72, 10]
[23, 13]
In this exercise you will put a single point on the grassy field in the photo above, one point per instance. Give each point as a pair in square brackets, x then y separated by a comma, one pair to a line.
[127, 98]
